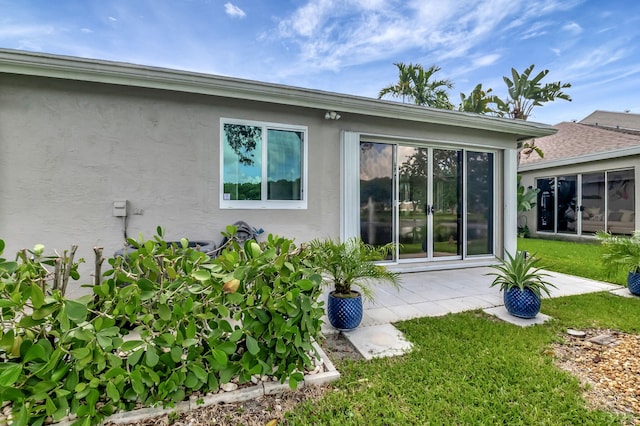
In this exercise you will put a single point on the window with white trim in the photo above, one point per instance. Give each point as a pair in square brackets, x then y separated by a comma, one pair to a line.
[263, 165]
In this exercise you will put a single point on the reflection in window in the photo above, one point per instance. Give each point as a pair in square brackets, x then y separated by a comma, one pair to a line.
[567, 204]
[607, 202]
[242, 162]
[376, 193]
[593, 202]
[263, 164]
[621, 202]
[479, 203]
[546, 203]
[284, 153]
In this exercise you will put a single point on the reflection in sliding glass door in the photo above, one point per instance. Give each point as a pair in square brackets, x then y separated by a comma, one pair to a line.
[413, 204]
[376, 193]
[447, 202]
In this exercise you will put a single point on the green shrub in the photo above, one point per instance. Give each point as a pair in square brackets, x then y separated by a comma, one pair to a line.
[166, 321]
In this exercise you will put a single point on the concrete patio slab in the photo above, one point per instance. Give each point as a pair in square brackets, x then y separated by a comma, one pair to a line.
[502, 313]
[441, 292]
[378, 341]
[624, 292]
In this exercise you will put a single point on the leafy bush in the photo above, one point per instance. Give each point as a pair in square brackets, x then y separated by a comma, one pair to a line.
[167, 321]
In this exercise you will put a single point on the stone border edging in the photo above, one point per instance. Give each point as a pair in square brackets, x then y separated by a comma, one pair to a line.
[330, 374]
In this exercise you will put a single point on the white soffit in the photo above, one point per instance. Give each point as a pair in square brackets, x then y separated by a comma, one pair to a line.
[98, 71]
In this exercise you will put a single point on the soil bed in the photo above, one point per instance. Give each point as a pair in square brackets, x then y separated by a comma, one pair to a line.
[260, 411]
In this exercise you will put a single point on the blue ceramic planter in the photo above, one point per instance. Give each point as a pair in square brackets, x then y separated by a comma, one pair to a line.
[344, 313]
[633, 283]
[522, 303]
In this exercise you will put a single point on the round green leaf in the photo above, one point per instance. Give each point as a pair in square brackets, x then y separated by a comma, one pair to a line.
[35, 352]
[10, 373]
[151, 357]
[77, 312]
[164, 312]
[176, 354]
[201, 275]
[145, 284]
[252, 345]
[81, 353]
[112, 392]
[220, 357]
[37, 296]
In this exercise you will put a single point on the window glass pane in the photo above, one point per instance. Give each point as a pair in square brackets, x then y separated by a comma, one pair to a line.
[546, 203]
[376, 193]
[242, 172]
[284, 156]
[413, 186]
[447, 203]
[567, 216]
[620, 202]
[593, 197]
[479, 203]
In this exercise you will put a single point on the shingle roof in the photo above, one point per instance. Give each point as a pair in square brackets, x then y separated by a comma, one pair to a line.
[574, 140]
[621, 120]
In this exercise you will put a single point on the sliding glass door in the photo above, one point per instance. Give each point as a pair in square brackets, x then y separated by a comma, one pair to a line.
[584, 204]
[414, 196]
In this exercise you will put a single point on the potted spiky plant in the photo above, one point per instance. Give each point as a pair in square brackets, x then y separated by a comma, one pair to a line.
[522, 284]
[350, 267]
[622, 253]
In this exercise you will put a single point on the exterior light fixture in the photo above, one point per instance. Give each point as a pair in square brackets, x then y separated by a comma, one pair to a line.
[331, 115]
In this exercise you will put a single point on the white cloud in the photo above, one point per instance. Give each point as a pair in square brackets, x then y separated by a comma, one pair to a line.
[112, 19]
[332, 35]
[17, 31]
[86, 30]
[234, 11]
[486, 60]
[572, 27]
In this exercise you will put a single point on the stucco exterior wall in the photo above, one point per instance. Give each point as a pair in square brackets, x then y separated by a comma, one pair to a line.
[69, 149]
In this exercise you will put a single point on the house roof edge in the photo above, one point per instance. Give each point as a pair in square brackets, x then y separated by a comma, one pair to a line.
[598, 156]
[120, 73]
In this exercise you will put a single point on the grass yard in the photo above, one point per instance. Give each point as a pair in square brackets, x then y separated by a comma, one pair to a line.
[580, 259]
[470, 368]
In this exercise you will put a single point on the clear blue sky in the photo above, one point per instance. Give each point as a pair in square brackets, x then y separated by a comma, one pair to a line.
[349, 46]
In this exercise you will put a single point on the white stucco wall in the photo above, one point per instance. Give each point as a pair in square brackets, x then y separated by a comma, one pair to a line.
[69, 149]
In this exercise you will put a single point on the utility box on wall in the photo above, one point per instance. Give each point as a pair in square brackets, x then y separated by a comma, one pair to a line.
[120, 208]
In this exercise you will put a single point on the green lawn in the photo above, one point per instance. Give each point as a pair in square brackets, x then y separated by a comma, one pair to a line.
[580, 259]
[470, 368]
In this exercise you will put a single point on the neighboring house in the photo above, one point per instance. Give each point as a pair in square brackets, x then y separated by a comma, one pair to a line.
[587, 178]
[83, 142]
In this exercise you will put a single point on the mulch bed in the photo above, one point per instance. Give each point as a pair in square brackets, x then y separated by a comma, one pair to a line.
[610, 372]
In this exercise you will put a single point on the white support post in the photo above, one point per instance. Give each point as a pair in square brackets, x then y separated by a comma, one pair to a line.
[510, 231]
[350, 191]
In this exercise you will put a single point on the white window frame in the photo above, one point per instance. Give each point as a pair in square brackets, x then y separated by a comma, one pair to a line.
[264, 203]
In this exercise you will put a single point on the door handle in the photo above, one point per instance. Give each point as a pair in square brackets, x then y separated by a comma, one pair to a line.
[430, 209]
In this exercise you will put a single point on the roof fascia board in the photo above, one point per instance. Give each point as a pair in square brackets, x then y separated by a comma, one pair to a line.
[587, 158]
[97, 71]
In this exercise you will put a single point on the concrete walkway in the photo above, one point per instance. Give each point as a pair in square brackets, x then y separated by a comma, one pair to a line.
[437, 293]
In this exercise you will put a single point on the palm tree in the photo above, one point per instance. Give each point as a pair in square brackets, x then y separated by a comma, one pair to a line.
[478, 101]
[414, 83]
[525, 93]
[403, 87]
